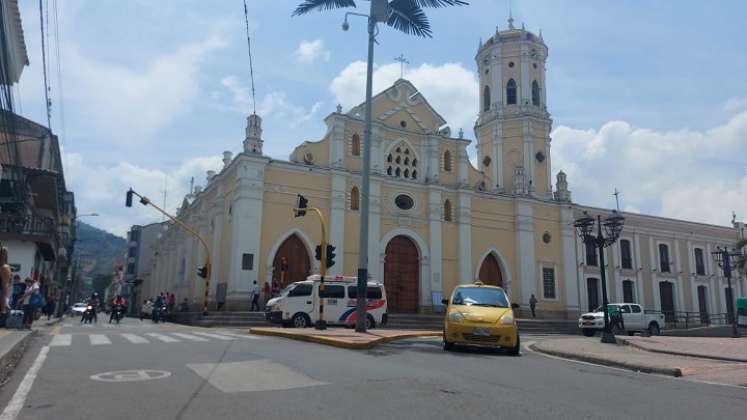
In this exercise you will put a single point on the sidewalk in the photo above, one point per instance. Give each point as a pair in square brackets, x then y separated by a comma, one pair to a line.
[343, 337]
[12, 345]
[633, 358]
[729, 349]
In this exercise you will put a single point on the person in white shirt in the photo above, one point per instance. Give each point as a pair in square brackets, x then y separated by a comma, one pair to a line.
[255, 296]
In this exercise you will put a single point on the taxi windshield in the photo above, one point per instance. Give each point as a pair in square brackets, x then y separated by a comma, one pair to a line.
[480, 296]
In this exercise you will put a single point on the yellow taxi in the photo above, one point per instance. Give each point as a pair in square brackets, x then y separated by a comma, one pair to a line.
[480, 315]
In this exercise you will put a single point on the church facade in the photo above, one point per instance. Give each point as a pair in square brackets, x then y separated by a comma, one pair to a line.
[436, 221]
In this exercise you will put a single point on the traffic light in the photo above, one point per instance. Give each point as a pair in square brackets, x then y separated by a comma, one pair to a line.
[302, 204]
[330, 256]
[128, 202]
[318, 254]
[202, 271]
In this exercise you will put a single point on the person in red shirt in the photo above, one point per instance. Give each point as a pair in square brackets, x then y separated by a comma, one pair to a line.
[117, 301]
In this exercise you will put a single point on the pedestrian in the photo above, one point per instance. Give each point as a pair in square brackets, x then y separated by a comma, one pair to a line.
[255, 296]
[50, 307]
[5, 274]
[533, 305]
[275, 289]
[266, 291]
[31, 298]
[171, 302]
[615, 316]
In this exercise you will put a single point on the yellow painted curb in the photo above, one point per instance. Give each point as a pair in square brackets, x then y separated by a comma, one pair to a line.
[341, 343]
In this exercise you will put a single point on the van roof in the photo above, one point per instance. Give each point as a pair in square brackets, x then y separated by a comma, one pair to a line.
[338, 278]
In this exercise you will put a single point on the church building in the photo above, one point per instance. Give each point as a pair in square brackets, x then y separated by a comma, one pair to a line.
[436, 221]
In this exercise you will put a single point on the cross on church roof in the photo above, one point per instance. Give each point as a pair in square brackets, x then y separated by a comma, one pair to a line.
[402, 61]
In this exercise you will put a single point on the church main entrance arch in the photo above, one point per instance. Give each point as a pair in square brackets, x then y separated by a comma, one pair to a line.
[291, 262]
[402, 275]
[490, 271]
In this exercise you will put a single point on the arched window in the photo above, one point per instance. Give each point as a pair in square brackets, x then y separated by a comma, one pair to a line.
[486, 99]
[356, 145]
[535, 93]
[354, 199]
[511, 92]
[447, 161]
[447, 211]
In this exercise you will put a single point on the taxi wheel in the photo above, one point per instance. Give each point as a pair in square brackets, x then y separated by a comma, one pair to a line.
[515, 350]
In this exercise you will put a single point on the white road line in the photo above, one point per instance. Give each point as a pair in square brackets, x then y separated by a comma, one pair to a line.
[189, 337]
[247, 336]
[163, 337]
[19, 398]
[216, 336]
[132, 338]
[99, 339]
[62, 340]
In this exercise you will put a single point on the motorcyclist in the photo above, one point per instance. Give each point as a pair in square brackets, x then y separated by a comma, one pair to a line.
[94, 302]
[158, 307]
[117, 301]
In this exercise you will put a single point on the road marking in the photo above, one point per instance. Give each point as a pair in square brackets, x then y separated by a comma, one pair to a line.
[99, 339]
[132, 338]
[247, 336]
[55, 330]
[62, 340]
[130, 375]
[216, 336]
[163, 337]
[19, 398]
[189, 337]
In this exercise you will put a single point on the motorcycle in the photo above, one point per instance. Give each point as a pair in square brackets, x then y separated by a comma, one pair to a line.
[88, 315]
[159, 314]
[118, 313]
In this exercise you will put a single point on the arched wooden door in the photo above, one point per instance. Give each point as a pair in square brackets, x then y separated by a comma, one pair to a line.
[291, 262]
[490, 271]
[402, 275]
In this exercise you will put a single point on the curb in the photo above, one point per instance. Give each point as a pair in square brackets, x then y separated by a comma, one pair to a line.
[680, 353]
[10, 359]
[329, 341]
[676, 372]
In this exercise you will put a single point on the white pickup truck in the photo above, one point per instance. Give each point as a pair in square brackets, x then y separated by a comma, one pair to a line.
[634, 318]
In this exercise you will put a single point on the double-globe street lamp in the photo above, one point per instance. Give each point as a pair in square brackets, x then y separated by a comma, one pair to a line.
[612, 225]
[727, 260]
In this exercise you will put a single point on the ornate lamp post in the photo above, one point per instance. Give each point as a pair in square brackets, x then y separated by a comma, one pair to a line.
[612, 225]
[724, 260]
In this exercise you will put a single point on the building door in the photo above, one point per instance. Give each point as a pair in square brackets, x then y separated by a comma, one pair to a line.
[703, 304]
[291, 262]
[402, 275]
[628, 295]
[592, 292]
[490, 271]
[666, 292]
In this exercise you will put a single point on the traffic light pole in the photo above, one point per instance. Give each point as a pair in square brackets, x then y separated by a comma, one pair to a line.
[321, 324]
[209, 268]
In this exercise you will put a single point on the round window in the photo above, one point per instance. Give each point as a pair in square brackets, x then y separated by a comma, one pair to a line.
[404, 202]
[510, 63]
[403, 124]
[546, 237]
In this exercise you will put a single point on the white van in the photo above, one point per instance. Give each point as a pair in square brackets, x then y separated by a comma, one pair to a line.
[298, 304]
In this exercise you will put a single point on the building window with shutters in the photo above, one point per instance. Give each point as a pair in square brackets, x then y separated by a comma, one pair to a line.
[447, 211]
[548, 283]
[354, 199]
[628, 291]
[591, 254]
[356, 145]
[511, 92]
[664, 264]
[626, 256]
[699, 262]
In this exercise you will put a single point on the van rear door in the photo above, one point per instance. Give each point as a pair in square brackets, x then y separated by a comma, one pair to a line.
[334, 302]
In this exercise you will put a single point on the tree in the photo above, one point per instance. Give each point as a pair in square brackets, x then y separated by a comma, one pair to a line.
[403, 15]
[742, 260]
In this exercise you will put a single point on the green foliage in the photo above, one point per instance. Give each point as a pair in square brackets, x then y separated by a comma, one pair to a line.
[101, 248]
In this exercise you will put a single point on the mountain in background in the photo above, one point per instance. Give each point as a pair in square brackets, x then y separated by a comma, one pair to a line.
[100, 251]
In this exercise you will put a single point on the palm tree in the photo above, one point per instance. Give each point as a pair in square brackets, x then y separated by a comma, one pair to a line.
[403, 15]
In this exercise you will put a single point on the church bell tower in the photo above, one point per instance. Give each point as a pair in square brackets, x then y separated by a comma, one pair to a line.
[513, 126]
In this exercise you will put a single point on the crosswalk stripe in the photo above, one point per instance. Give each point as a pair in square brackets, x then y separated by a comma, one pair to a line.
[61, 340]
[99, 339]
[247, 336]
[216, 336]
[163, 337]
[189, 337]
[132, 338]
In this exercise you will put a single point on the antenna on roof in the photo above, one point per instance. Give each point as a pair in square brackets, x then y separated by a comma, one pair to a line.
[251, 65]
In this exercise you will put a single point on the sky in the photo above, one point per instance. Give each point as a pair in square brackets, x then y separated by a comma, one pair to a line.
[646, 97]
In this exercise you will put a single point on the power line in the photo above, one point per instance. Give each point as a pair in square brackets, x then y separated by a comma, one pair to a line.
[251, 65]
[44, 66]
[58, 54]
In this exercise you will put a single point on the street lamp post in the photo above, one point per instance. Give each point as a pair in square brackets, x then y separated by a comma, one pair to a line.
[612, 226]
[723, 258]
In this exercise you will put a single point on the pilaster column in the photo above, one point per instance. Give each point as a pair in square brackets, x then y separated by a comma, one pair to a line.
[640, 290]
[462, 167]
[375, 249]
[571, 276]
[377, 135]
[526, 91]
[495, 69]
[464, 225]
[433, 159]
[496, 166]
[528, 153]
[525, 251]
[337, 143]
[435, 218]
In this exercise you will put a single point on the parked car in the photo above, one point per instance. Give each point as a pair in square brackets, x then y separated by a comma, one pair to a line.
[298, 304]
[635, 320]
[79, 308]
[481, 315]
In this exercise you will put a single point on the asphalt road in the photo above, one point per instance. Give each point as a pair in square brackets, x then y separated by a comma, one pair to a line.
[274, 378]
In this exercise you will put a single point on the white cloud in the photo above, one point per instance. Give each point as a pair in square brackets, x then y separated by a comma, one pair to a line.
[129, 102]
[450, 88]
[684, 174]
[735, 104]
[309, 52]
[101, 188]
